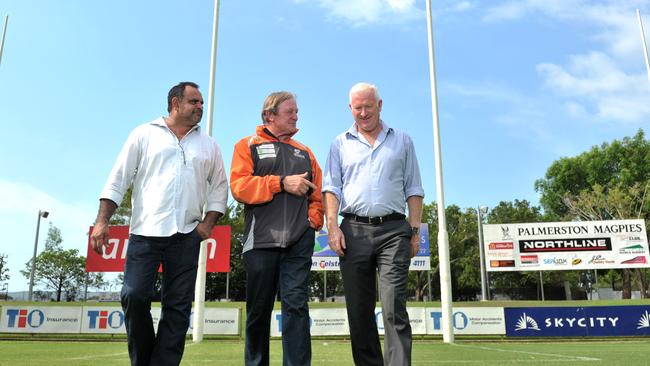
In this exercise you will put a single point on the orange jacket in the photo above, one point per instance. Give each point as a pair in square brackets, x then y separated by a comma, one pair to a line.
[274, 218]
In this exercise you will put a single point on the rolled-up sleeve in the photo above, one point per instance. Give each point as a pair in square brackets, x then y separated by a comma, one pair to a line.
[333, 180]
[412, 179]
[124, 170]
[217, 197]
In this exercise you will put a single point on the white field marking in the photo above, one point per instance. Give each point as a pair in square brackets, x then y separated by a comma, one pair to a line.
[427, 362]
[109, 355]
[500, 362]
[574, 358]
[97, 356]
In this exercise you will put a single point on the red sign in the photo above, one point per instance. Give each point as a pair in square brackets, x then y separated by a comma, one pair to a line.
[114, 256]
[501, 245]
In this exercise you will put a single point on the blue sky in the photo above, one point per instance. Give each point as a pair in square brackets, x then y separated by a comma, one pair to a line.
[521, 83]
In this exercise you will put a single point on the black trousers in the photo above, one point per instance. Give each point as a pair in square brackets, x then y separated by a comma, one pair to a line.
[386, 249]
[287, 269]
[179, 257]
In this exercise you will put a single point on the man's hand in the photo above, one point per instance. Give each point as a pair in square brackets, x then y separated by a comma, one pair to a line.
[298, 185]
[336, 240]
[204, 229]
[415, 245]
[99, 237]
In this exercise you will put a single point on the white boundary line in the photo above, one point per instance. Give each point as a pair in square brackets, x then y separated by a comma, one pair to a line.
[111, 354]
[560, 356]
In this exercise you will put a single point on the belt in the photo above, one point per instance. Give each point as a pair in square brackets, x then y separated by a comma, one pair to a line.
[374, 219]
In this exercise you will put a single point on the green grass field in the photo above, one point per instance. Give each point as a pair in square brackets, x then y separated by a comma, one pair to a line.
[100, 350]
[337, 352]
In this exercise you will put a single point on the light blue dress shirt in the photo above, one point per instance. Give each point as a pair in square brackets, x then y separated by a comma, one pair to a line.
[372, 180]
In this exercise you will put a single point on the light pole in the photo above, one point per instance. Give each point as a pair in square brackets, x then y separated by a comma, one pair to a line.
[4, 33]
[44, 215]
[482, 210]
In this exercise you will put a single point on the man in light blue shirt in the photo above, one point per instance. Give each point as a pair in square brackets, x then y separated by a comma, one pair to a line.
[371, 176]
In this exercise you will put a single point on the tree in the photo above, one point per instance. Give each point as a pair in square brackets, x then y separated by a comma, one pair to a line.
[4, 269]
[54, 238]
[58, 269]
[215, 286]
[122, 215]
[4, 276]
[463, 252]
[610, 181]
[520, 211]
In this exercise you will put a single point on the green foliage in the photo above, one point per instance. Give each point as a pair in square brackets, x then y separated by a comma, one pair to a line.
[514, 283]
[622, 164]
[609, 182]
[4, 269]
[122, 215]
[216, 282]
[58, 269]
[54, 238]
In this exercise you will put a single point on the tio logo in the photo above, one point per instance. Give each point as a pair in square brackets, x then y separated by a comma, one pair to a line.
[101, 319]
[21, 318]
[459, 320]
[278, 318]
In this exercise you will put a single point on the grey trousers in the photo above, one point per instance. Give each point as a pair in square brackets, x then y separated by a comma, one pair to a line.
[384, 248]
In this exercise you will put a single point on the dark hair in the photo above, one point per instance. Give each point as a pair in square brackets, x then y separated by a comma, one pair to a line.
[178, 91]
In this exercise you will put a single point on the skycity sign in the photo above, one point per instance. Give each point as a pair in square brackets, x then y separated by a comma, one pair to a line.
[566, 245]
[592, 321]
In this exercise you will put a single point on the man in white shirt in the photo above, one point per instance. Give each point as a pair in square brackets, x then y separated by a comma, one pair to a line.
[179, 192]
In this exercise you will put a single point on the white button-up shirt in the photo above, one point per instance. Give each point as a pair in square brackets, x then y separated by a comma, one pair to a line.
[174, 181]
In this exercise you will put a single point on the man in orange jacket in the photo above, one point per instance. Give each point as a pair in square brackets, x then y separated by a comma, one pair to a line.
[279, 182]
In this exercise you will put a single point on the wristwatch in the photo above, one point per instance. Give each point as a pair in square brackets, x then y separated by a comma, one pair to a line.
[415, 231]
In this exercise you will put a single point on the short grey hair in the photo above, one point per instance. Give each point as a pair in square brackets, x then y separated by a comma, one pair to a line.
[358, 87]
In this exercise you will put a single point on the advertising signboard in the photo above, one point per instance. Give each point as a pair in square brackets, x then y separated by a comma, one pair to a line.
[566, 245]
[325, 259]
[114, 256]
[593, 321]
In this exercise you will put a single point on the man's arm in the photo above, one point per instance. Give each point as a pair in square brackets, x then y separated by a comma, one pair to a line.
[415, 217]
[251, 189]
[315, 210]
[336, 240]
[100, 230]
[205, 227]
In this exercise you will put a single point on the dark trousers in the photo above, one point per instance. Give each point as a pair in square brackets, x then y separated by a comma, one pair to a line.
[288, 268]
[384, 248]
[179, 256]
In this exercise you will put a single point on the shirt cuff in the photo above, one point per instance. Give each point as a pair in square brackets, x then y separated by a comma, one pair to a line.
[334, 190]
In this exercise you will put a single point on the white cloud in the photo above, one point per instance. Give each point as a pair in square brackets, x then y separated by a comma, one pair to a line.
[400, 5]
[605, 79]
[463, 6]
[363, 12]
[596, 78]
[18, 215]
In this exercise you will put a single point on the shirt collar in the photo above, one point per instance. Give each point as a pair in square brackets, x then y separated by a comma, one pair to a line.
[160, 121]
[385, 130]
[263, 130]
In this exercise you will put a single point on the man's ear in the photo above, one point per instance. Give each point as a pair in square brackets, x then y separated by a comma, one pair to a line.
[268, 116]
